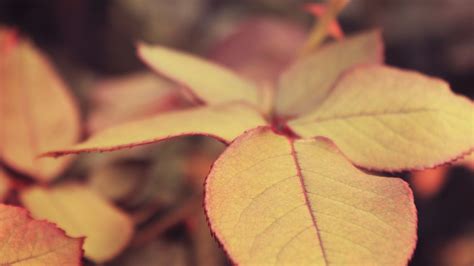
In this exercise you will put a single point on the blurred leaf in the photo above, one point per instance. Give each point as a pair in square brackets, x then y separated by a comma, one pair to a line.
[131, 97]
[26, 241]
[260, 48]
[156, 253]
[308, 81]
[81, 212]
[457, 251]
[117, 181]
[36, 110]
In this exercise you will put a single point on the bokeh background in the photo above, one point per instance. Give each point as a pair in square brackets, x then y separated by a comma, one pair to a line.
[92, 41]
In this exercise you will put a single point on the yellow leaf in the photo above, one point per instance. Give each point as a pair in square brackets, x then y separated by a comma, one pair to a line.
[81, 212]
[37, 113]
[387, 119]
[307, 82]
[29, 242]
[209, 82]
[223, 122]
[273, 200]
[131, 97]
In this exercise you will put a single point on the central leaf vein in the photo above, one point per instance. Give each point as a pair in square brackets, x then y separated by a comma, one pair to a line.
[307, 201]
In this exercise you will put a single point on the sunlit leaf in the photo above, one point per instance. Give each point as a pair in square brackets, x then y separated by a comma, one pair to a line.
[223, 122]
[209, 82]
[25, 241]
[307, 82]
[81, 212]
[272, 200]
[131, 97]
[36, 111]
[388, 119]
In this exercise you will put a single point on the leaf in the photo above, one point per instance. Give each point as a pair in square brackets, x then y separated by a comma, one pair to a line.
[81, 212]
[223, 122]
[388, 119]
[307, 82]
[209, 82]
[260, 48]
[25, 241]
[273, 200]
[130, 98]
[36, 110]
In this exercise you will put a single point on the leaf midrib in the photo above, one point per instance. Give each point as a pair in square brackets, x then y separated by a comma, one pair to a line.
[306, 199]
[371, 114]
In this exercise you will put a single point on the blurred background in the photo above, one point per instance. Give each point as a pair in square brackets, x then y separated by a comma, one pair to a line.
[92, 44]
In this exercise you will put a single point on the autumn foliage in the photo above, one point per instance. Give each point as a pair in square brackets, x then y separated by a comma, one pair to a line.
[303, 179]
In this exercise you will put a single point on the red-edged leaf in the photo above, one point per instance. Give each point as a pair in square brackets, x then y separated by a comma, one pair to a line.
[389, 119]
[223, 122]
[25, 241]
[81, 212]
[277, 201]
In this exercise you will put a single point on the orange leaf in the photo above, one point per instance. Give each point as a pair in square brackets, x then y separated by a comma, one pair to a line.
[223, 122]
[307, 82]
[36, 111]
[81, 212]
[25, 241]
[274, 200]
[388, 119]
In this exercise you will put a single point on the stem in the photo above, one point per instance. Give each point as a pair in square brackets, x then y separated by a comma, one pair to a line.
[320, 29]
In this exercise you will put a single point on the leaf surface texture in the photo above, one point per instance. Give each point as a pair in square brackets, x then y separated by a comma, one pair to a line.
[81, 212]
[388, 119]
[275, 201]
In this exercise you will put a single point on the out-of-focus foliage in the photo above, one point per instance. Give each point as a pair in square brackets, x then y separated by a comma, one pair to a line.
[35, 105]
[159, 187]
